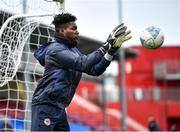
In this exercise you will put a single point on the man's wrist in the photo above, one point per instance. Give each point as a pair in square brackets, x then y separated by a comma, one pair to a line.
[112, 51]
[108, 57]
[106, 46]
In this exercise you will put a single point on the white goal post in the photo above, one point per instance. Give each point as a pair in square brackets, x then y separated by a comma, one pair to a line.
[14, 33]
[20, 36]
[25, 25]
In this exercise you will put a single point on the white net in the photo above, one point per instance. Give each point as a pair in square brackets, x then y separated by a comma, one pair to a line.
[13, 35]
[19, 70]
[20, 35]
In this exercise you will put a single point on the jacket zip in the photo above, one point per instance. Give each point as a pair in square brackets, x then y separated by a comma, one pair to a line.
[71, 86]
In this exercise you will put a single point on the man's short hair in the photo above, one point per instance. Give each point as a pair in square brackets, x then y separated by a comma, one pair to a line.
[63, 18]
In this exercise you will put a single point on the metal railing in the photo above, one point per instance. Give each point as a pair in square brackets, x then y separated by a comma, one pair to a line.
[165, 67]
[153, 94]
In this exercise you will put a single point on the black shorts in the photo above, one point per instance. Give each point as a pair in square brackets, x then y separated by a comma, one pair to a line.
[48, 118]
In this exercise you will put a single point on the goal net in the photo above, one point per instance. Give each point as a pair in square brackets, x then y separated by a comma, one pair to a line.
[20, 36]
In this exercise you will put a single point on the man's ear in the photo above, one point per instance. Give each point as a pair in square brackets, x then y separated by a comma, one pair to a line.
[61, 30]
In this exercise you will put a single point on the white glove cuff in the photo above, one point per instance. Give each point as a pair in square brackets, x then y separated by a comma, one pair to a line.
[108, 57]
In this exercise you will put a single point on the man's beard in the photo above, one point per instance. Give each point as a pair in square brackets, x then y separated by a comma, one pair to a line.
[74, 43]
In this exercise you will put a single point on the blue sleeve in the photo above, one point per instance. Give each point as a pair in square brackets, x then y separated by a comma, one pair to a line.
[92, 64]
[99, 68]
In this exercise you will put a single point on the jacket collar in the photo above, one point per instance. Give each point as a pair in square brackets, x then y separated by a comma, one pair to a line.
[64, 41]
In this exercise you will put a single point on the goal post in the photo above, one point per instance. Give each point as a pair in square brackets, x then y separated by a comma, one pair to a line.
[20, 36]
[14, 33]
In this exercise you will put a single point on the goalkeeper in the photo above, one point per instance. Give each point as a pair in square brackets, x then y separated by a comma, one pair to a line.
[64, 64]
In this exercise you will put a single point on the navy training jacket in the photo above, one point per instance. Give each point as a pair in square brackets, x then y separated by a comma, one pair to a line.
[64, 65]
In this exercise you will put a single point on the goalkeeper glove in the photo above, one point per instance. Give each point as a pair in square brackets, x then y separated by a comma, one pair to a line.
[121, 37]
[116, 31]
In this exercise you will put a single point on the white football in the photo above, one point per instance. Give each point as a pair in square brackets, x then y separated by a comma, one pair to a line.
[152, 37]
